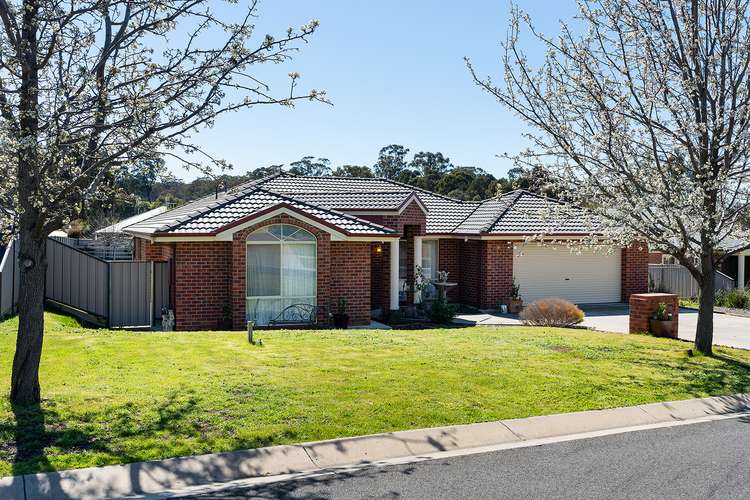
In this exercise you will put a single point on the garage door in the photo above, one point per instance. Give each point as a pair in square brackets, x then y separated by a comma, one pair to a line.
[582, 276]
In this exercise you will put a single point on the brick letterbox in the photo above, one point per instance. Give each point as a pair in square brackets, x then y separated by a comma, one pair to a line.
[643, 306]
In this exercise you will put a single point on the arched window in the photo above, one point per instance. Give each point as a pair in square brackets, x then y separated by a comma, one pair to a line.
[282, 269]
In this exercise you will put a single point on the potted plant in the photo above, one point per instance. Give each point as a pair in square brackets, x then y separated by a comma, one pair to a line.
[341, 318]
[226, 318]
[661, 324]
[516, 302]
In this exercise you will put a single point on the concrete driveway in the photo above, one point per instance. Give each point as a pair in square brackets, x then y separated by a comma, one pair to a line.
[733, 331]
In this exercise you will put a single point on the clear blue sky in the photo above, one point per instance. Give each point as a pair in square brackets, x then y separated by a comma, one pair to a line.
[395, 73]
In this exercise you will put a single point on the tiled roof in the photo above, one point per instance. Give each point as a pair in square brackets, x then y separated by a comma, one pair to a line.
[356, 201]
[325, 198]
[484, 216]
[118, 227]
[229, 209]
[528, 213]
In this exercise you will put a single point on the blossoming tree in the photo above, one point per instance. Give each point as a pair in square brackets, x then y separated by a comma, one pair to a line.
[641, 111]
[87, 86]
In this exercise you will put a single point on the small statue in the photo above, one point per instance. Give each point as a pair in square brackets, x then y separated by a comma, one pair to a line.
[167, 320]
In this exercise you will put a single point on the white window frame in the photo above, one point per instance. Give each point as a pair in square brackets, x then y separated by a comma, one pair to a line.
[436, 265]
[314, 242]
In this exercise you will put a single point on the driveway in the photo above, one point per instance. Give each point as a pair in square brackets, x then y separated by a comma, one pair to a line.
[733, 331]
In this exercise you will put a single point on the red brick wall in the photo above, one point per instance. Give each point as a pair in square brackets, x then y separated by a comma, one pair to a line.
[413, 215]
[202, 284]
[497, 273]
[449, 259]
[146, 250]
[654, 257]
[350, 279]
[634, 270]
[470, 277]
[409, 223]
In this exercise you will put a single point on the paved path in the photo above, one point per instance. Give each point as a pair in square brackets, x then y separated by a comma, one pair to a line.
[733, 331]
[704, 460]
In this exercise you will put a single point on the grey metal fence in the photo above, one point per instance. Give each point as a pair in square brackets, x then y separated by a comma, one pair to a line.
[677, 279]
[105, 249]
[9, 279]
[131, 294]
[77, 279]
[116, 293]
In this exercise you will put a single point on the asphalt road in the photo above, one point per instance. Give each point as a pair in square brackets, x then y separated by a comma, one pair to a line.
[704, 460]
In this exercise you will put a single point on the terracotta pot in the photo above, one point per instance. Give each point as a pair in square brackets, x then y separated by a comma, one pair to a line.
[515, 306]
[663, 328]
[341, 321]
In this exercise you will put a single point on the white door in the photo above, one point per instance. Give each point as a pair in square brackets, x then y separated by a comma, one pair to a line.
[581, 276]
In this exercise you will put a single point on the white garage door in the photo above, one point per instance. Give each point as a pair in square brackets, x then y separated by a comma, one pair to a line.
[582, 276]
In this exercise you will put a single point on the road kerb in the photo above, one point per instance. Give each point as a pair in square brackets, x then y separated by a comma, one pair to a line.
[151, 478]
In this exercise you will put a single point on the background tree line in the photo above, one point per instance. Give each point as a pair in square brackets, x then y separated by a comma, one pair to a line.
[148, 184]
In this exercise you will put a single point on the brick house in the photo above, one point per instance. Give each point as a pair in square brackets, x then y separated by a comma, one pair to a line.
[250, 252]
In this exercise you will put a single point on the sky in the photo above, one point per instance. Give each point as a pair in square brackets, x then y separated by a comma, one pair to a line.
[395, 73]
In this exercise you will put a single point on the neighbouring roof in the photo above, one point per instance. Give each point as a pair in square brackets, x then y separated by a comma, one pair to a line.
[346, 202]
[118, 227]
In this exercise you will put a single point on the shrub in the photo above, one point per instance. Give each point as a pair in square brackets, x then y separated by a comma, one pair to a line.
[733, 299]
[441, 311]
[551, 312]
[661, 313]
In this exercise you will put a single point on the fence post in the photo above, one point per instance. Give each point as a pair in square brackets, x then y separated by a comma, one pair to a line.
[151, 300]
[109, 295]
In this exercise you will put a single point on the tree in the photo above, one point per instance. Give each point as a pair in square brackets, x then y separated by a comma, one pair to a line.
[467, 183]
[353, 171]
[392, 164]
[644, 117]
[141, 177]
[430, 168]
[87, 86]
[535, 179]
[309, 165]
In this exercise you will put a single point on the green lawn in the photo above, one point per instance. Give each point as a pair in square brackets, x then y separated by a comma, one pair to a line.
[114, 397]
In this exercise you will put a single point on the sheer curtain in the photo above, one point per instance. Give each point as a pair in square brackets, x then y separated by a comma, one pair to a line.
[429, 265]
[298, 282]
[281, 271]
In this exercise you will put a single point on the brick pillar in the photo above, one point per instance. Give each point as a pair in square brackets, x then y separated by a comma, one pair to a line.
[497, 273]
[634, 270]
[643, 306]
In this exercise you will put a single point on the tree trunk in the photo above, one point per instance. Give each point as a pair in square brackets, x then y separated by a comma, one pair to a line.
[33, 267]
[704, 333]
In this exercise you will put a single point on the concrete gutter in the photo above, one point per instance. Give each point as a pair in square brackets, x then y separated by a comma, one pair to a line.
[154, 478]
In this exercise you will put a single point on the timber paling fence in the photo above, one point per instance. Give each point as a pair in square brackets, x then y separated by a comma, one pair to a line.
[675, 278]
[115, 294]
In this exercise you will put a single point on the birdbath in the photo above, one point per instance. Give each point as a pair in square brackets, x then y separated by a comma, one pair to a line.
[442, 284]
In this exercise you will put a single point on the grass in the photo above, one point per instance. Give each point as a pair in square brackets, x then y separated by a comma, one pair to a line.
[690, 303]
[114, 397]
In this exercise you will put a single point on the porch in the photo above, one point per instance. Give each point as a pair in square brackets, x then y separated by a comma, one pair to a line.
[738, 268]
